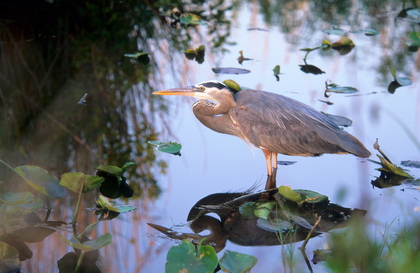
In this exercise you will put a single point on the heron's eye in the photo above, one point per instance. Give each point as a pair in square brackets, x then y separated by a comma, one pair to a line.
[202, 88]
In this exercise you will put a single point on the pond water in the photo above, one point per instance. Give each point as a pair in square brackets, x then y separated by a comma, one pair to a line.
[269, 35]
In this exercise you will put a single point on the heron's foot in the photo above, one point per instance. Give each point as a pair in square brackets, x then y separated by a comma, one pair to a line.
[271, 180]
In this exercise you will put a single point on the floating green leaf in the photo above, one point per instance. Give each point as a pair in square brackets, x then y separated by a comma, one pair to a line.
[404, 81]
[414, 13]
[393, 72]
[42, 181]
[389, 167]
[190, 19]
[274, 225]
[334, 88]
[112, 170]
[334, 31]
[75, 181]
[16, 198]
[247, 209]
[263, 210]
[311, 196]
[9, 258]
[415, 39]
[186, 257]
[342, 42]
[167, 147]
[235, 262]
[105, 204]
[276, 70]
[370, 32]
[288, 193]
[99, 242]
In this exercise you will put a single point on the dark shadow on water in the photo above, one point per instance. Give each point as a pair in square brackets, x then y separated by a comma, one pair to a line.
[250, 219]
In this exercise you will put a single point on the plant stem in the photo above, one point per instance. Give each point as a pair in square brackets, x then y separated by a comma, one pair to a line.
[79, 201]
[79, 262]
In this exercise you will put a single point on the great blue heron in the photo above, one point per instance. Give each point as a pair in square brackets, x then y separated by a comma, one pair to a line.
[274, 123]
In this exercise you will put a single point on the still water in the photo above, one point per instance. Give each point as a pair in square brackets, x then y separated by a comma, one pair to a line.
[212, 163]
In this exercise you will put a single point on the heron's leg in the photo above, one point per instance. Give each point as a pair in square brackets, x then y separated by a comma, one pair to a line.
[271, 171]
[268, 156]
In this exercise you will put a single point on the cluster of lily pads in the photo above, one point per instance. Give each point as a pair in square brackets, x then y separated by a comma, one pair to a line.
[21, 222]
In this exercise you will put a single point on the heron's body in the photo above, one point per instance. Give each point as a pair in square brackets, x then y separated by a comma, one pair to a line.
[274, 123]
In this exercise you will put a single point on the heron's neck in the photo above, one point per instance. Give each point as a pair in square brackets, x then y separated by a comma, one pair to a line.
[215, 116]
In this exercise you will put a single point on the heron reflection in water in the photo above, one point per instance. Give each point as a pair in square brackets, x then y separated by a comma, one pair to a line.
[286, 223]
[274, 123]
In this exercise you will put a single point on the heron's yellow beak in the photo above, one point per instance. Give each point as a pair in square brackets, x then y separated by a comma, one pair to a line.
[181, 91]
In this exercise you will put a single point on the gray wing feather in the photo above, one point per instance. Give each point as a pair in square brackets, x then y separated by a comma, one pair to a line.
[284, 125]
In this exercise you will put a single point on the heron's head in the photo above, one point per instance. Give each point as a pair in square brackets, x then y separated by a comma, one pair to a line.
[209, 90]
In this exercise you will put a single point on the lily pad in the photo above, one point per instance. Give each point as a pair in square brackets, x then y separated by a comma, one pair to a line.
[343, 41]
[274, 225]
[263, 210]
[75, 181]
[389, 167]
[190, 19]
[42, 181]
[235, 262]
[288, 193]
[167, 147]
[16, 198]
[311, 196]
[9, 257]
[98, 243]
[334, 88]
[404, 81]
[105, 204]
[334, 30]
[186, 257]
[230, 70]
[247, 209]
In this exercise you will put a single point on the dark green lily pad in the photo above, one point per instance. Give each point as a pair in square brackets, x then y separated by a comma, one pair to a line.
[167, 147]
[274, 225]
[235, 262]
[247, 209]
[230, 70]
[42, 181]
[186, 257]
[115, 184]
